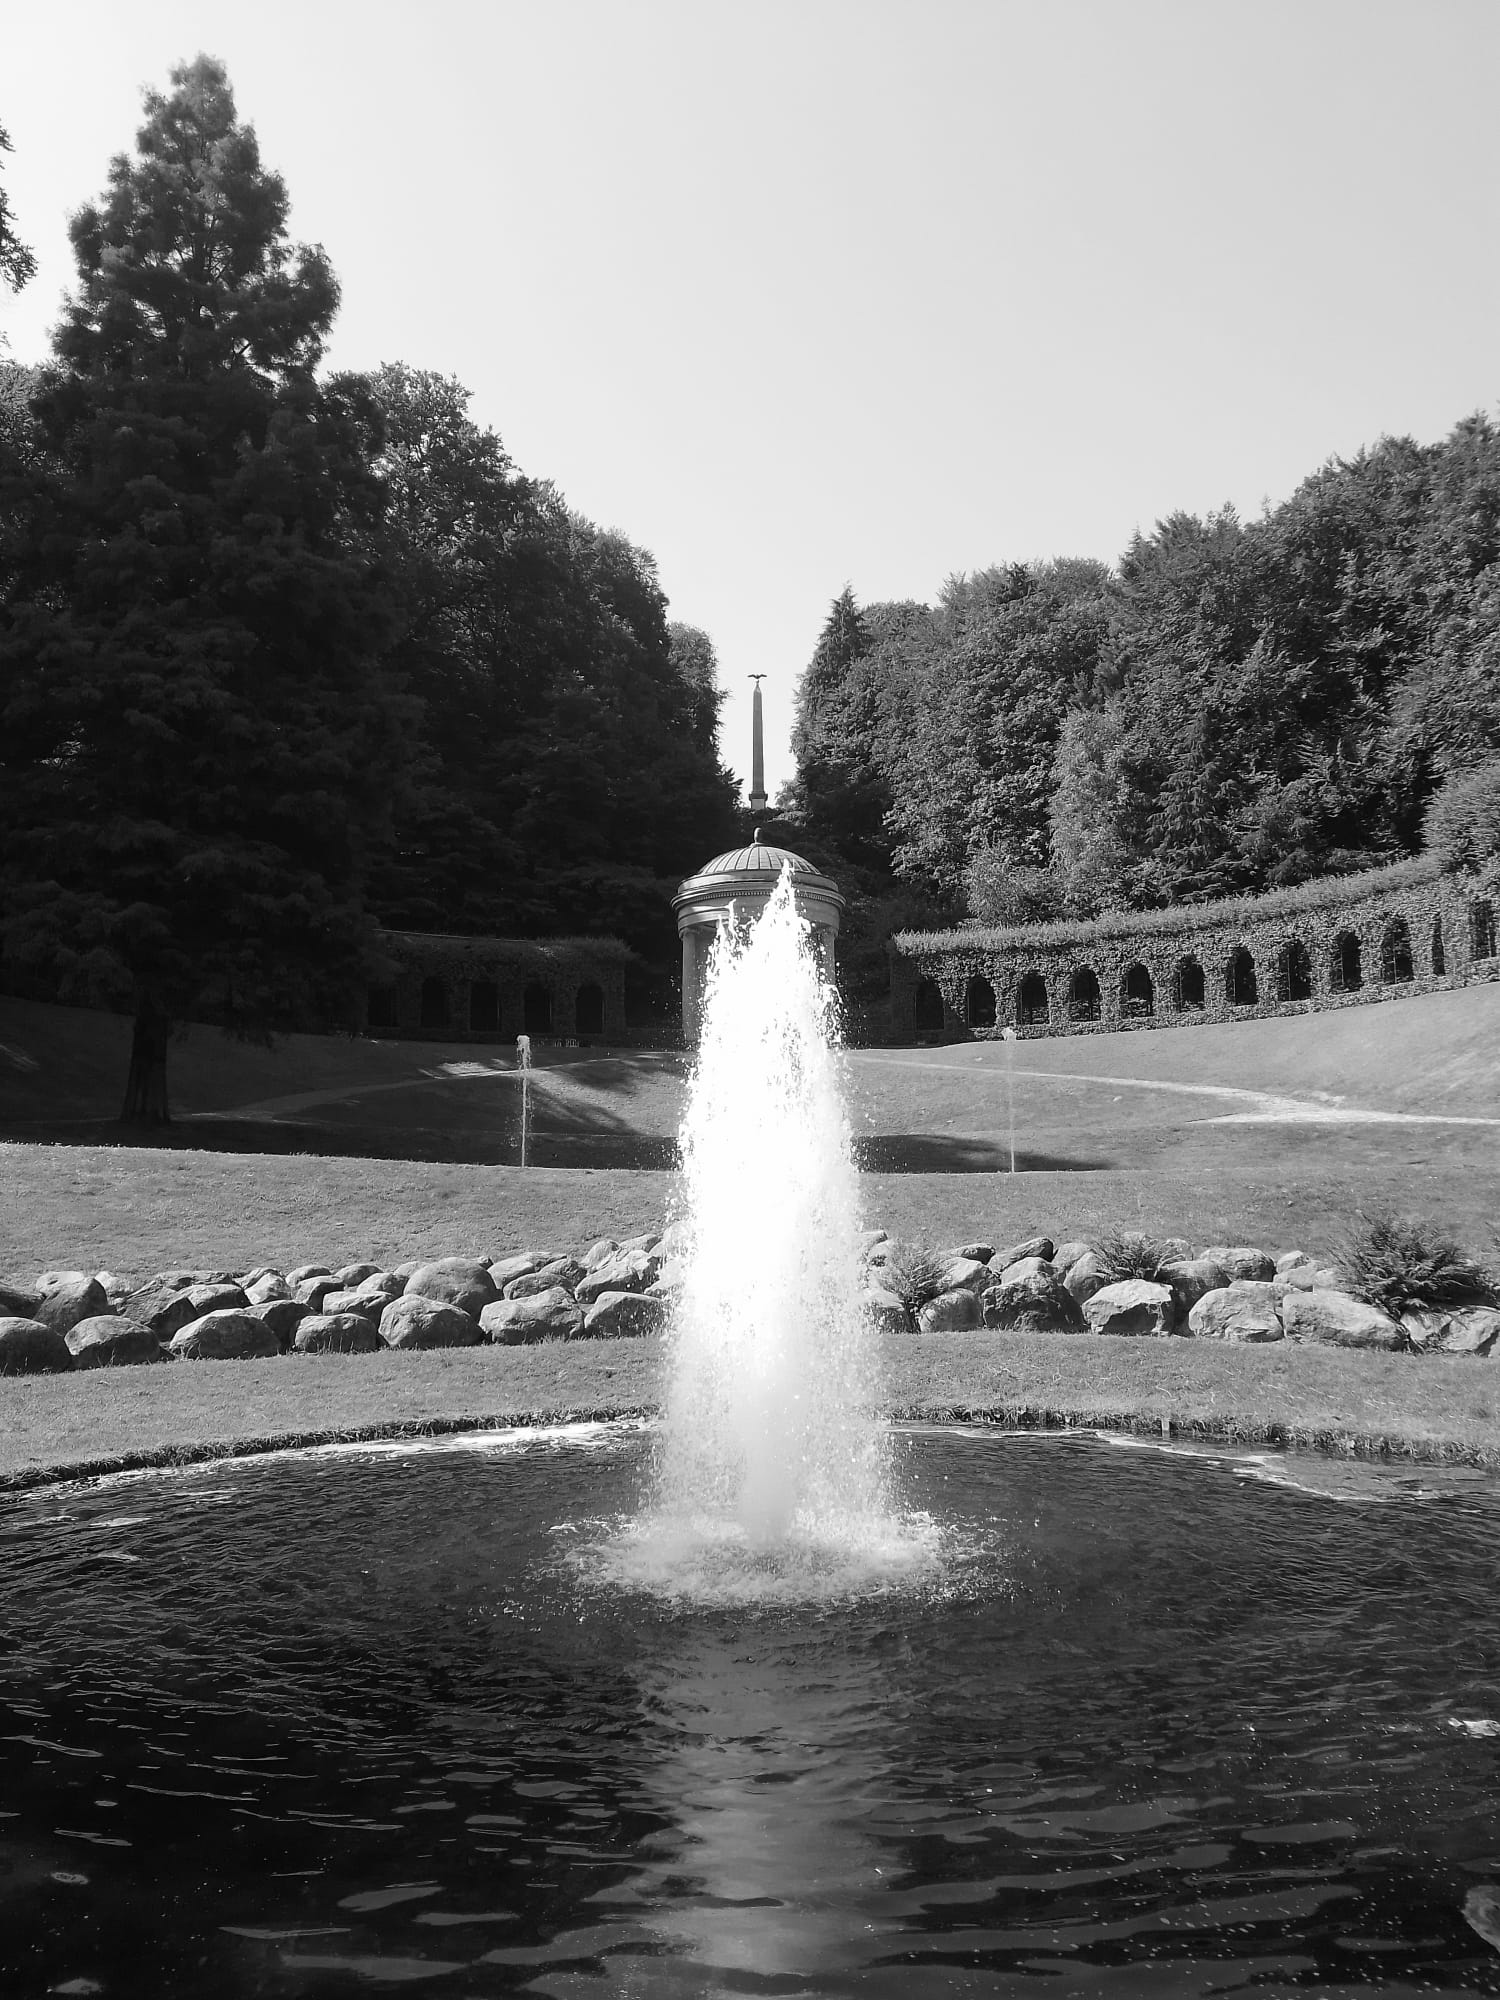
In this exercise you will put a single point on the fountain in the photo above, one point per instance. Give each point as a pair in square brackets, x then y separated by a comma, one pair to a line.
[730, 1706]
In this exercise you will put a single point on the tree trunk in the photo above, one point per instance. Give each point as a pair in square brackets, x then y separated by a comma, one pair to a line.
[146, 1086]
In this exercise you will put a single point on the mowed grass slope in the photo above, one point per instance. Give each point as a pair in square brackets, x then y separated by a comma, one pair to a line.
[1438, 1409]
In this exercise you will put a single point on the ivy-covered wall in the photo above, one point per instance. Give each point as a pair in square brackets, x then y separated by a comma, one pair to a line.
[477, 989]
[1341, 942]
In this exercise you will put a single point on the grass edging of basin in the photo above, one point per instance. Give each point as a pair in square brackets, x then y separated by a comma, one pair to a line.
[1425, 1409]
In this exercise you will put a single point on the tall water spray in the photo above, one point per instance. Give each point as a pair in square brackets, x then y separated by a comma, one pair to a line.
[773, 1442]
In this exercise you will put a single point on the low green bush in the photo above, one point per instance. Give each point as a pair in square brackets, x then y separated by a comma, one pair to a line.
[1128, 1253]
[914, 1272]
[1462, 822]
[1399, 1261]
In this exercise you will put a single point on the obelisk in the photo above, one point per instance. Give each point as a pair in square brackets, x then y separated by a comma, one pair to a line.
[757, 750]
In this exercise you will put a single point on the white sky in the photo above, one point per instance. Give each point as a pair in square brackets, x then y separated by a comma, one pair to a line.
[803, 293]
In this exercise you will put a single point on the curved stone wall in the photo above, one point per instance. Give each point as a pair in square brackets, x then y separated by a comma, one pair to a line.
[477, 989]
[1342, 942]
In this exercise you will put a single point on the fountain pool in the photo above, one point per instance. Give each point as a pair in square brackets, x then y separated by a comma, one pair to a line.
[348, 1721]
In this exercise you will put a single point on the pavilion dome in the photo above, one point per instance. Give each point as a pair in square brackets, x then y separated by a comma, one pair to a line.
[753, 871]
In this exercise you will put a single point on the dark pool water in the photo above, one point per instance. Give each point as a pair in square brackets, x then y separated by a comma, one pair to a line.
[343, 1724]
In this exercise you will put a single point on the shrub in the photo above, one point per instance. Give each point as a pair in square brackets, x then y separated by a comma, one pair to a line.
[1462, 821]
[1397, 1261]
[1126, 1253]
[1001, 891]
[913, 1272]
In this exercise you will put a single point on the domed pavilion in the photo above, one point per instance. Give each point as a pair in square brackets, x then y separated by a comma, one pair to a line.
[735, 887]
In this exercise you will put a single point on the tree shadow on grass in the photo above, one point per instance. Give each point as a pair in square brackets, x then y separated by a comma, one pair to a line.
[947, 1153]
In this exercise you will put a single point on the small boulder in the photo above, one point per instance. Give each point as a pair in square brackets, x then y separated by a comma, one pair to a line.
[1033, 1246]
[1452, 1329]
[981, 1253]
[355, 1300]
[337, 1333]
[951, 1312]
[227, 1334]
[1337, 1320]
[885, 1312]
[1244, 1310]
[1241, 1261]
[626, 1271]
[1135, 1306]
[518, 1322]
[265, 1288]
[596, 1254]
[1083, 1276]
[617, 1315]
[27, 1347]
[404, 1271]
[68, 1297]
[355, 1274]
[1307, 1278]
[1174, 1249]
[311, 1292]
[564, 1271]
[967, 1274]
[18, 1301]
[283, 1317]
[1035, 1302]
[455, 1281]
[871, 1240]
[112, 1341]
[521, 1266]
[1290, 1259]
[303, 1272]
[1024, 1267]
[646, 1242]
[1066, 1255]
[416, 1320]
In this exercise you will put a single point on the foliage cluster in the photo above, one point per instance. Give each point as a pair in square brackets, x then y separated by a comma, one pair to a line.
[1131, 1253]
[913, 1272]
[1399, 1261]
[1234, 707]
[283, 654]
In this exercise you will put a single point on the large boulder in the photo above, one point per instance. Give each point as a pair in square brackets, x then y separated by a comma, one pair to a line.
[951, 1312]
[1023, 1267]
[518, 1322]
[355, 1300]
[1244, 1310]
[1066, 1255]
[1452, 1329]
[27, 1347]
[1241, 1261]
[311, 1292]
[1191, 1278]
[68, 1297]
[967, 1274]
[1135, 1306]
[1290, 1259]
[626, 1271]
[112, 1341]
[564, 1271]
[1337, 1320]
[1035, 1302]
[177, 1309]
[616, 1315]
[1032, 1246]
[337, 1333]
[455, 1281]
[283, 1317]
[646, 1242]
[225, 1335]
[1084, 1277]
[18, 1301]
[596, 1254]
[417, 1320]
[885, 1312]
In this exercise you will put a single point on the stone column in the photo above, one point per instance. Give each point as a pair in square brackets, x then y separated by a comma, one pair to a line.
[690, 985]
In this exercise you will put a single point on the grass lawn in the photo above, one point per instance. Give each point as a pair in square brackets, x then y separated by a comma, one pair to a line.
[135, 1210]
[1438, 1409]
